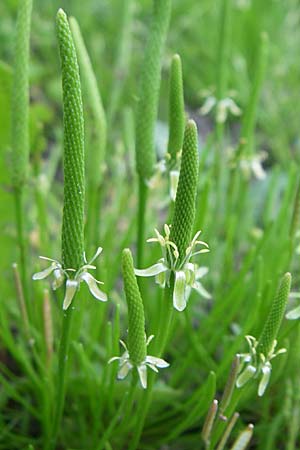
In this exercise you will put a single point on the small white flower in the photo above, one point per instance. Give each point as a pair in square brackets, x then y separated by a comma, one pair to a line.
[72, 282]
[187, 274]
[222, 108]
[254, 365]
[252, 165]
[125, 364]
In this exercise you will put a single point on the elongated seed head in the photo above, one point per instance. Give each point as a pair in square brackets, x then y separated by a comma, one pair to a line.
[91, 93]
[184, 212]
[275, 316]
[20, 96]
[149, 89]
[176, 109]
[73, 211]
[136, 316]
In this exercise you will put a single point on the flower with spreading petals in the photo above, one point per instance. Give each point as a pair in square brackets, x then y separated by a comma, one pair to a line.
[222, 108]
[126, 364]
[187, 274]
[256, 364]
[252, 165]
[72, 278]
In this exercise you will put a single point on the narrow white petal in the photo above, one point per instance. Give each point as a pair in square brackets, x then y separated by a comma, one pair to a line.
[293, 314]
[142, 370]
[114, 358]
[208, 105]
[179, 300]
[151, 271]
[71, 288]
[201, 272]
[201, 290]
[92, 285]
[158, 362]
[44, 273]
[266, 370]
[59, 278]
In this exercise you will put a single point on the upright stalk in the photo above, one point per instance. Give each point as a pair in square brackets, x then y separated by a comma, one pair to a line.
[73, 211]
[147, 108]
[20, 128]
[221, 90]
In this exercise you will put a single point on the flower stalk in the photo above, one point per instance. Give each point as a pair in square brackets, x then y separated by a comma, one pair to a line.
[147, 110]
[257, 363]
[20, 129]
[135, 356]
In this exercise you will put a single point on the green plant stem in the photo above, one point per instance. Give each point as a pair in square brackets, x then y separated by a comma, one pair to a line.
[142, 203]
[19, 208]
[222, 82]
[62, 364]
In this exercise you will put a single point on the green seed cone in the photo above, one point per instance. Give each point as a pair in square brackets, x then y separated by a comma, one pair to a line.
[93, 100]
[184, 213]
[73, 211]
[20, 96]
[275, 316]
[149, 89]
[176, 109]
[136, 317]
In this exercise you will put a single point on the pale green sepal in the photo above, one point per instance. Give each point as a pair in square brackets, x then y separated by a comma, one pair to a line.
[158, 362]
[179, 299]
[71, 288]
[293, 314]
[266, 370]
[124, 369]
[245, 376]
[174, 177]
[142, 371]
[59, 278]
[151, 271]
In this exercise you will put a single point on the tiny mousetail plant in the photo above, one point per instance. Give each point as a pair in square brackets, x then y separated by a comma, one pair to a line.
[258, 361]
[174, 271]
[74, 266]
[20, 127]
[147, 108]
[135, 356]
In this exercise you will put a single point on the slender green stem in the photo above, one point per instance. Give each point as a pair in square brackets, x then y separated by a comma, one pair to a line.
[19, 207]
[142, 204]
[62, 364]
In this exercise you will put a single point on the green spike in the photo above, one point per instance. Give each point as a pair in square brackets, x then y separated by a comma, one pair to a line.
[20, 96]
[93, 97]
[176, 109]
[136, 317]
[74, 185]
[247, 132]
[272, 325]
[149, 89]
[184, 212]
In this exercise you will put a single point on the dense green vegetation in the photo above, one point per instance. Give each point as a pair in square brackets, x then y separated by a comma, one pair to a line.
[105, 110]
